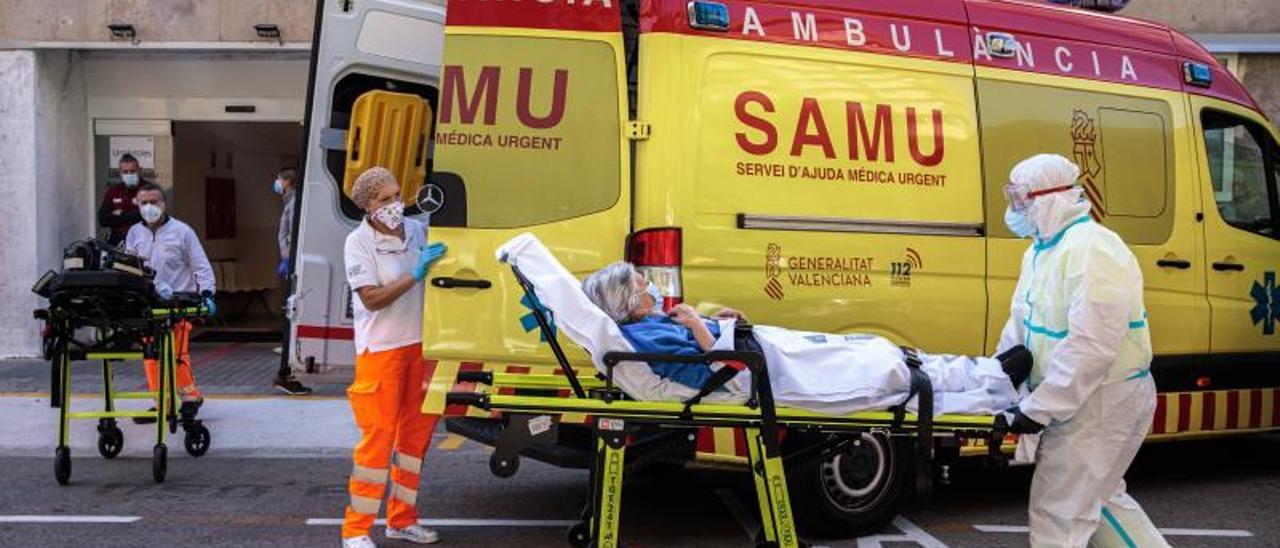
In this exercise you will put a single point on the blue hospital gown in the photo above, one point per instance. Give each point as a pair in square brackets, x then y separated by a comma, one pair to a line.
[662, 335]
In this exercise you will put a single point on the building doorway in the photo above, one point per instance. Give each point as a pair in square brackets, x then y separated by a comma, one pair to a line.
[222, 187]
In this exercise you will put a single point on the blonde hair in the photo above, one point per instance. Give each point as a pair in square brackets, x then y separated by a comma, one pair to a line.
[368, 183]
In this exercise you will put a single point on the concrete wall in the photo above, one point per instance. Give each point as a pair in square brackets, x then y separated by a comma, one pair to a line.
[1210, 15]
[43, 129]
[17, 170]
[155, 20]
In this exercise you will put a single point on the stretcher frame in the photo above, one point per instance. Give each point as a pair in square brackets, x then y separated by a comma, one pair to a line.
[119, 340]
[529, 417]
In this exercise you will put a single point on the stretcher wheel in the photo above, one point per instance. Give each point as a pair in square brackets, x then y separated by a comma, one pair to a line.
[579, 535]
[159, 462]
[62, 464]
[110, 441]
[196, 441]
[503, 468]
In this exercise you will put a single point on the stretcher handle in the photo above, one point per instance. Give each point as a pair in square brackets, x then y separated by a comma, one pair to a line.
[471, 399]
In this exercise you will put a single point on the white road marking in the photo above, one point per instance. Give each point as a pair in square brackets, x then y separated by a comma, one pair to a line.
[465, 522]
[910, 533]
[1168, 532]
[69, 519]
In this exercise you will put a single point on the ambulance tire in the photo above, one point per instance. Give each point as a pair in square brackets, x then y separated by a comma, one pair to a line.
[62, 464]
[159, 462]
[853, 493]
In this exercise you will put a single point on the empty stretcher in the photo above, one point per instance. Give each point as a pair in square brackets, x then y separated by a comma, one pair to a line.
[111, 295]
[532, 407]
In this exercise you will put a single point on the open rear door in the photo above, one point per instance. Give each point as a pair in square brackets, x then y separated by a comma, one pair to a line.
[529, 138]
[373, 88]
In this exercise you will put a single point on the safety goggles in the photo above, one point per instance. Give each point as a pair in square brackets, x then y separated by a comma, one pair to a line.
[1019, 201]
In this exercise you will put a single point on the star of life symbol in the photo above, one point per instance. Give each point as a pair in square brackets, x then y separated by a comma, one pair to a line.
[1267, 309]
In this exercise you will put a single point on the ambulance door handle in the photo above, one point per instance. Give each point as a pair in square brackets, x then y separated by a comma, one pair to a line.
[452, 283]
[1174, 263]
[1223, 267]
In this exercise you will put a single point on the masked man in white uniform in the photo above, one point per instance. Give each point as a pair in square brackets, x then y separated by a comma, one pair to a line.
[1078, 307]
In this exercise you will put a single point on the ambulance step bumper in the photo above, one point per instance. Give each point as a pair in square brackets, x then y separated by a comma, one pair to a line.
[487, 431]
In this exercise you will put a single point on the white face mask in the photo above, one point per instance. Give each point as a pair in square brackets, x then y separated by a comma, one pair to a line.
[390, 215]
[151, 212]
[278, 186]
[130, 179]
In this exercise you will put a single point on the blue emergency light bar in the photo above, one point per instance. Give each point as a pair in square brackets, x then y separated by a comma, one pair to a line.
[1197, 74]
[708, 16]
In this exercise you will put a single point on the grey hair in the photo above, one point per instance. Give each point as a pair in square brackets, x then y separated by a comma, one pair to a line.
[367, 185]
[613, 289]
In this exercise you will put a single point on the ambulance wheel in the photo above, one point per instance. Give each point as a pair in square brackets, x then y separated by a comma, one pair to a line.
[196, 441]
[62, 464]
[855, 492]
[110, 441]
[159, 462]
[579, 535]
[503, 468]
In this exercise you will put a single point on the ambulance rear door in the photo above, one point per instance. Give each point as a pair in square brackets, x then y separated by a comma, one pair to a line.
[374, 73]
[529, 138]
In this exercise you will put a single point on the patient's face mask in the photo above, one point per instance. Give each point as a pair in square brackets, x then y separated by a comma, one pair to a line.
[390, 215]
[655, 294]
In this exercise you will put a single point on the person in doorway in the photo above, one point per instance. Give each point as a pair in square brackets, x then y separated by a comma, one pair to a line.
[387, 259]
[1078, 307]
[172, 249]
[119, 212]
[284, 185]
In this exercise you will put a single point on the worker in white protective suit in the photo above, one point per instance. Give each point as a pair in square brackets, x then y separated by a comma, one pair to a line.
[1078, 307]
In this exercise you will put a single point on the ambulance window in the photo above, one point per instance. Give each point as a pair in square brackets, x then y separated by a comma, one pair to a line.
[1243, 186]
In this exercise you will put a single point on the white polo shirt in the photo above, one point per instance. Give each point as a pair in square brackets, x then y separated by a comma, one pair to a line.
[376, 259]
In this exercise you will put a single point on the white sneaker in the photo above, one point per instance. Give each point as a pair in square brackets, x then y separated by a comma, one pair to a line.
[358, 542]
[415, 533]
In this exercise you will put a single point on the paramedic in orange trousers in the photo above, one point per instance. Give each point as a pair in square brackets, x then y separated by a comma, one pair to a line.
[387, 258]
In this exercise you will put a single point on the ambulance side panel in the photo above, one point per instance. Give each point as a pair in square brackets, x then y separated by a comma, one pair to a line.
[529, 138]
[819, 186]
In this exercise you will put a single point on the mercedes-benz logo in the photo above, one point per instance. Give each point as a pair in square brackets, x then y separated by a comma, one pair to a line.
[430, 198]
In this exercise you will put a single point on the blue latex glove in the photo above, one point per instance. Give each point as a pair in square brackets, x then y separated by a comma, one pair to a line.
[282, 269]
[428, 255]
[210, 308]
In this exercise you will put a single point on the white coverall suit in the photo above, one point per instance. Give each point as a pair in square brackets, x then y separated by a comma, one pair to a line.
[1078, 307]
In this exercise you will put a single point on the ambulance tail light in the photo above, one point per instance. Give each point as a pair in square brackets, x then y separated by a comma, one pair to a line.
[657, 253]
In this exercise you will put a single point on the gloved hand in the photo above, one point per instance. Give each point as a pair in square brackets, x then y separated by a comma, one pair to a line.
[428, 255]
[209, 306]
[282, 269]
[1012, 420]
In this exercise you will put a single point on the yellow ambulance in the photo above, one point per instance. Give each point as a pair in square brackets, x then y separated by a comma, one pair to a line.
[836, 165]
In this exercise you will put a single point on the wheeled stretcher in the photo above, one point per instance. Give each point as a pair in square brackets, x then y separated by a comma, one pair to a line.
[114, 298]
[532, 408]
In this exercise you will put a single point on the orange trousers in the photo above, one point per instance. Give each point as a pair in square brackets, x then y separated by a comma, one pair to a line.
[187, 389]
[386, 398]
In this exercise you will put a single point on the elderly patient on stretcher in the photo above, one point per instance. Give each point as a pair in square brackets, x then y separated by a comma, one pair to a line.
[822, 372]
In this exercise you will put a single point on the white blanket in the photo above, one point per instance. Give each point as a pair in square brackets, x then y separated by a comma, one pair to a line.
[834, 374]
